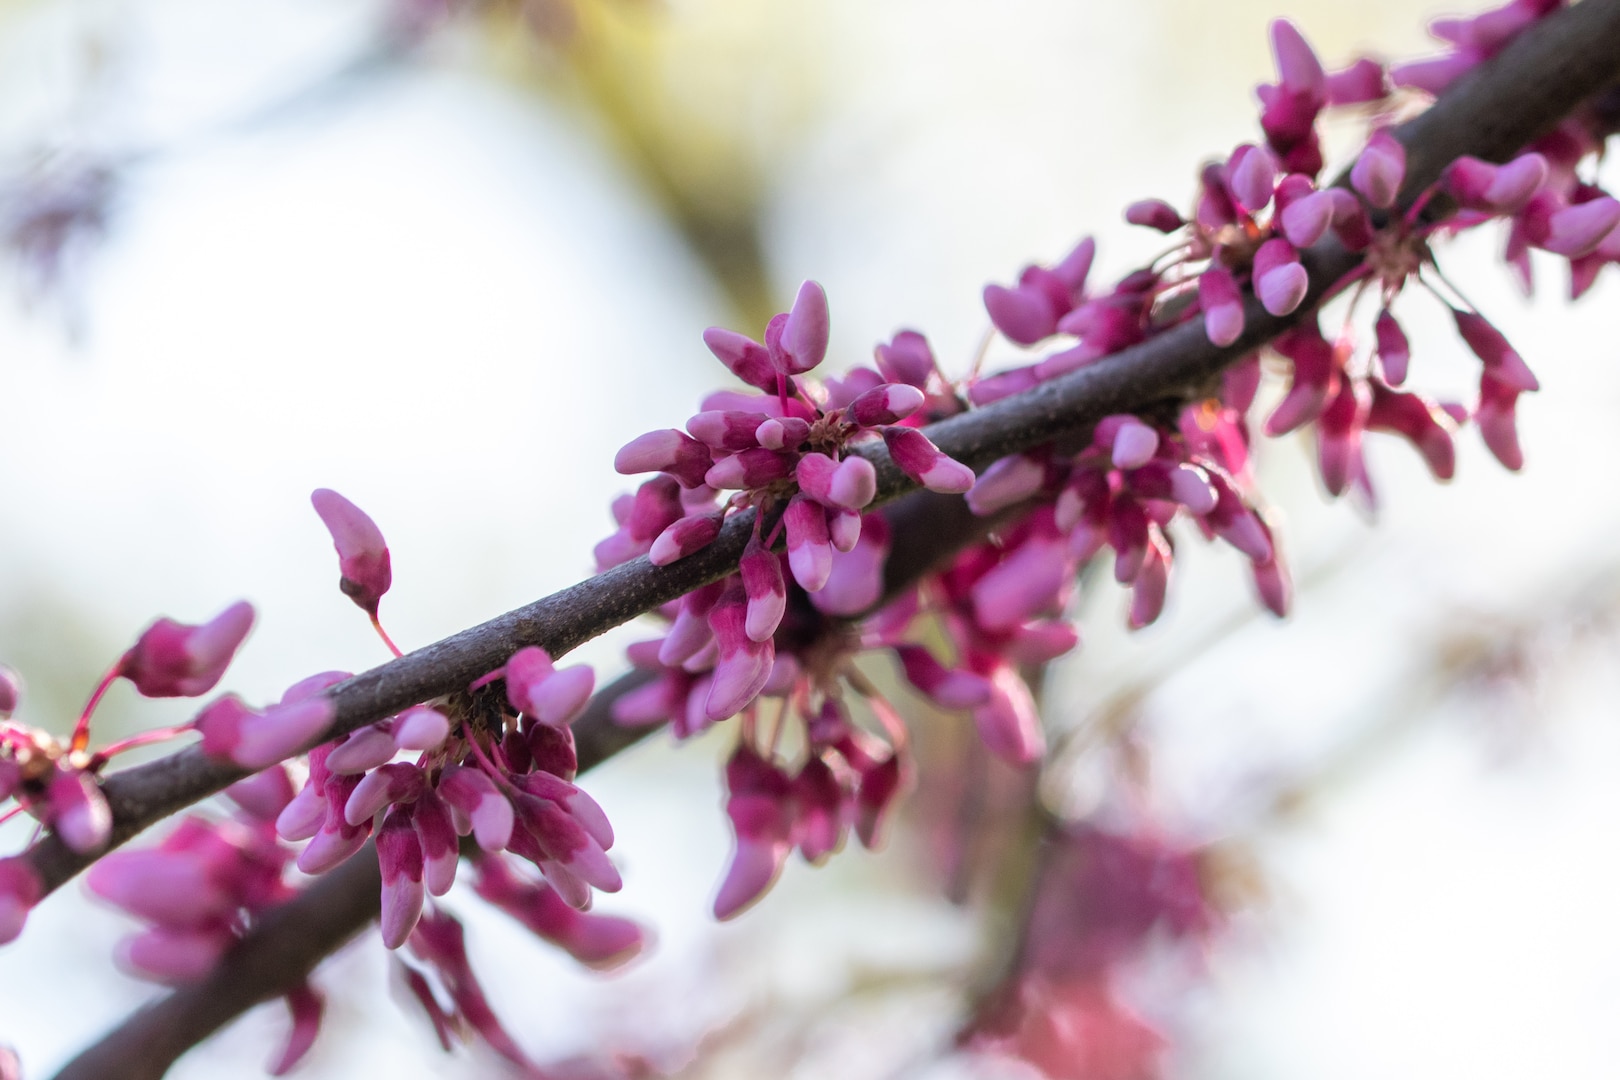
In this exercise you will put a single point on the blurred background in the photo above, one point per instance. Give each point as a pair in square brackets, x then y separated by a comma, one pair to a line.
[447, 256]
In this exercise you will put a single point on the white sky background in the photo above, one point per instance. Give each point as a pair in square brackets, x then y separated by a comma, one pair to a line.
[444, 300]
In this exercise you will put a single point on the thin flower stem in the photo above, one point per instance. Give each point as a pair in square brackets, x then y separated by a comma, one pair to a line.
[81, 729]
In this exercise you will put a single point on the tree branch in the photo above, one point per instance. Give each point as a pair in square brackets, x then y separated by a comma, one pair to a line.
[1491, 112]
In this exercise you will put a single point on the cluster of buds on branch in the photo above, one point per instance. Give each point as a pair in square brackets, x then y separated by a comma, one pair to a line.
[778, 486]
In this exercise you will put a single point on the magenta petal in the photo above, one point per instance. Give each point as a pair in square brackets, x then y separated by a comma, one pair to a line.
[804, 337]
[281, 732]
[306, 1007]
[753, 871]
[1379, 171]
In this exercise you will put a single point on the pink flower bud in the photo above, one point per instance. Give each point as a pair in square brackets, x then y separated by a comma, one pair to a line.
[1393, 351]
[668, 451]
[683, 538]
[1155, 214]
[263, 795]
[744, 665]
[749, 469]
[399, 856]
[1251, 173]
[1577, 230]
[844, 530]
[440, 849]
[362, 555]
[421, 728]
[853, 483]
[781, 433]
[1151, 584]
[280, 732]
[174, 660]
[1298, 69]
[856, 581]
[1306, 219]
[1010, 480]
[301, 818]
[474, 797]
[362, 750]
[1338, 434]
[728, 429]
[1379, 171]
[1024, 315]
[78, 811]
[907, 359]
[388, 785]
[1222, 305]
[921, 460]
[1027, 582]
[173, 956]
[767, 591]
[886, 404]
[743, 356]
[804, 335]
[809, 547]
[1134, 443]
[1279, 279]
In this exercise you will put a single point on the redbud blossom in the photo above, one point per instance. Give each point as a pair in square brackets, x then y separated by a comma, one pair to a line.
[174, 660]
[362, 554]
[1378, 172]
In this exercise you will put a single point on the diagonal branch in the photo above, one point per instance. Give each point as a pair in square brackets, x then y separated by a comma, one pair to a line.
[1490, 113]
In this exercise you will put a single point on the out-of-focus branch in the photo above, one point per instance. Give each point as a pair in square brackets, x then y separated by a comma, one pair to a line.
[1490, 113]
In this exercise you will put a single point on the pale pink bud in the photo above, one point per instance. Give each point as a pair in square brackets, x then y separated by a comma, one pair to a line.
[400, 782]
[281, 731]
[808, 545]
[362, 554]
[814, 474]
[743, 356]
[1306, 219]
[767, 590]
[362, 750]
[174, 660]
[263, 795]
[668, 451]
[1010, 480]
[1502, 189]
[173, 956]
[160, 886]
[776, 434]
[1577, 230]
[79, 812]
[1379, 171]
[1298, 69]
[804, 336]
[1027, 582]
[744, 664]
[1250, 177]
[1036, 643]
[399, 857]
[683, 538]
[1134, 443]
[1393, 351]
[844, 529]
[749, 469]
[856, 581]
[886, 404]
[1222, 305]
[924, 462]
[1279, 279]
[421, 728]
[1076, 265]
[853, 483]
[474, 795]
[1155, 214]
[1023, 314]
[907, 359]
[301, 818]
[440, 850]
[728, 429]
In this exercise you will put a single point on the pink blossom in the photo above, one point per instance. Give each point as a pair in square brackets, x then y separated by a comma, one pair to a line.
[363, 556]
[174, 660]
